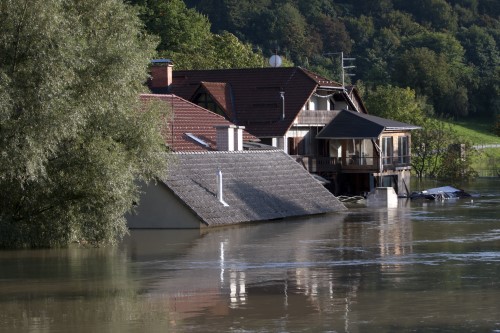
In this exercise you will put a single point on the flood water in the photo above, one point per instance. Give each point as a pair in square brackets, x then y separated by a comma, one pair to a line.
[423, 267]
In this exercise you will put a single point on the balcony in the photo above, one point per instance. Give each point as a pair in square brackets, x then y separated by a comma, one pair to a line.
[352, 164]
[316, 117]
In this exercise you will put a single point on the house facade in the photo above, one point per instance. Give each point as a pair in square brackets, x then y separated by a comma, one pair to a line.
[288, 108]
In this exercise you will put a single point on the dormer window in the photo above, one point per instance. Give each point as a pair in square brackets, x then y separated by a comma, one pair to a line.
[205, 101]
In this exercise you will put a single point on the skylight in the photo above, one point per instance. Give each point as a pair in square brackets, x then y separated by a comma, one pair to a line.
[197, 139]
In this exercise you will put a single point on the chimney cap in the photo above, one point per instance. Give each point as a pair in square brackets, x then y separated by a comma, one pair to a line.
[225, 126]
[162, 61]
[229, 126]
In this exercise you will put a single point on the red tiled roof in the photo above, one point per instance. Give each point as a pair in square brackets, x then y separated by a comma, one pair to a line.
[190, 118]
[255, 94]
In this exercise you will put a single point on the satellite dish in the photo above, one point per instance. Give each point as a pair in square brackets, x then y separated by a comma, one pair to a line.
[275, 61]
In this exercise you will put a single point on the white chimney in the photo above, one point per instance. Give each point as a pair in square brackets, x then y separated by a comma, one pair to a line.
[229, 137]
[225, 137]
[238, 138]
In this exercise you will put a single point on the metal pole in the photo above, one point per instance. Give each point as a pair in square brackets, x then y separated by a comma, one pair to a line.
[342, 65]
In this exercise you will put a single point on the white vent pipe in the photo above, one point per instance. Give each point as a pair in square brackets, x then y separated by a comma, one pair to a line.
[220, 195]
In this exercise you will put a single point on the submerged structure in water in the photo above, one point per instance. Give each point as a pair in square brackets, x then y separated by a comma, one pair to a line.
[440, 193]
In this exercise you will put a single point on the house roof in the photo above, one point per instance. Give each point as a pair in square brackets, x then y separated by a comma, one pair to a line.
[192, 128]
[355, 125]
[255, 94]
[257, 186]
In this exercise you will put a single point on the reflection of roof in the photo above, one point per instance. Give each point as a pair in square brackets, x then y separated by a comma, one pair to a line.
[355, 125]
[257, 186]
[255, 94]
[192, 127]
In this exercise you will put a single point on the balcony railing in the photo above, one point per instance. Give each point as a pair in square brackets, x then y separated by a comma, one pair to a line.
[315, 117]
[352, 164]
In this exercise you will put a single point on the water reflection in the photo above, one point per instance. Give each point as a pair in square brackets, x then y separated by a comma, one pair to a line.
[421, 267]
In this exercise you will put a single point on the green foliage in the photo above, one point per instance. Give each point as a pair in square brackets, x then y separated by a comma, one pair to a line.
[396, 103]
[290, 29]
[428, 146]
[438, 151]
[180, 29]
[456, 163]
[445, 50]
[186, 38]
[221, 51]
[72, 141]
[438, 14]
[433, 152]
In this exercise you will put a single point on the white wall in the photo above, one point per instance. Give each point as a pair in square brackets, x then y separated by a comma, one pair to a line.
[159, 208]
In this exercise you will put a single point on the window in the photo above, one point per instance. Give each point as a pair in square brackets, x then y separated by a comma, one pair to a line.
[403, 149]
[387, 150]
[205, 101]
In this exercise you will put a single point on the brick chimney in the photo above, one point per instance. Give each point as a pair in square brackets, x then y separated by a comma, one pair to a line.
[229, 137]
[161, 74]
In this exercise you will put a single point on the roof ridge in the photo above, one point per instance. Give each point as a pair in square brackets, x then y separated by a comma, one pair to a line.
[215, 152]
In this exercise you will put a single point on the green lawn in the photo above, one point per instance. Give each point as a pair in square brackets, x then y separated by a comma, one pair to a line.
[477, 131]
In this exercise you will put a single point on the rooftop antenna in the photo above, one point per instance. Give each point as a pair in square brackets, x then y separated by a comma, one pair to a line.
[343, 65]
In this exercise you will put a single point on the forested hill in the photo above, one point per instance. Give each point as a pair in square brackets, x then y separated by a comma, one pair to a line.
[446, 50]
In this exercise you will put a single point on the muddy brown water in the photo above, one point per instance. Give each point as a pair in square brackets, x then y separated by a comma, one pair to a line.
[421, 267]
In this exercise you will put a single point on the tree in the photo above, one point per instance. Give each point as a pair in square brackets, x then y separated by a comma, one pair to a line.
[180, 29]
[397, 103]
[436, 13]
[482, 52]
[334, 34]
[290, 30]
[222, 51]
[438, 152]
[72, 140]
[429, 145]
[431, 74]
[456, 163]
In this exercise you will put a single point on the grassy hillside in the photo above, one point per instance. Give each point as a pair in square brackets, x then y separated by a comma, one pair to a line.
[479, 132]
[476, 131]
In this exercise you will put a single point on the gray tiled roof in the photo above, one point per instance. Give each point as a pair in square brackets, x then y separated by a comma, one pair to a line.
[351, 124]
[258, 185]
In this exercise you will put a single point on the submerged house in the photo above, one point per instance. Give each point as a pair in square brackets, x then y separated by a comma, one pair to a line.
[212, 181]
[320, 123]
[207, 189]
